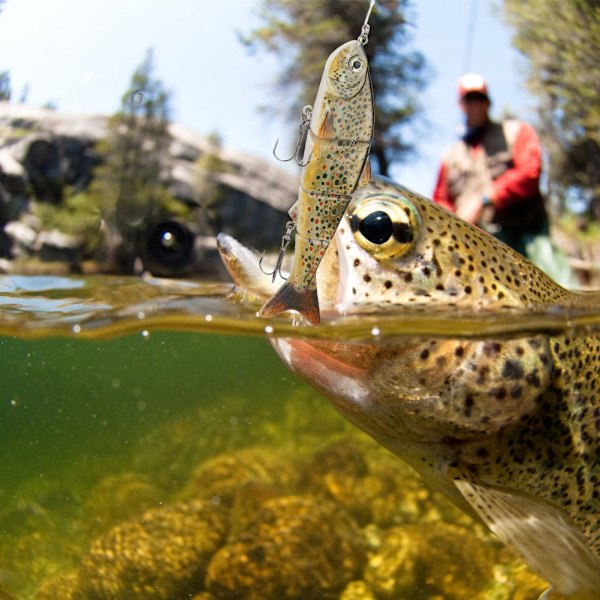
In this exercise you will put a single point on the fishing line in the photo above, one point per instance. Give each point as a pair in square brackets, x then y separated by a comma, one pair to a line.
[472, 22]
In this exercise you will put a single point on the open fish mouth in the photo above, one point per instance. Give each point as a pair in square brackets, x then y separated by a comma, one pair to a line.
[242, 264]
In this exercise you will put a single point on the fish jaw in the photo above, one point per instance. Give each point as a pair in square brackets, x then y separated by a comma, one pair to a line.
[254, 285]
[243, 265]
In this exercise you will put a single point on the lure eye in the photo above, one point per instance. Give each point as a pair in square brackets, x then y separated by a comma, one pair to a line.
[356, 64]
[385, 227]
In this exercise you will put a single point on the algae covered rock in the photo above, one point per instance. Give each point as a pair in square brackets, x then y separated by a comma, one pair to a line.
[370, 486]
[220, 477]
[65, 587]
[160, 556]
[357, 590]
[441, 559]
[295, 548]
[121, 496]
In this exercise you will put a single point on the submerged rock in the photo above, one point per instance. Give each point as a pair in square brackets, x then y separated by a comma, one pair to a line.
[65, 587]
[373, 488]
[438, 560]
[220, 477]
[121, 496]
[357, 590]
[295, 548]
[161, 556]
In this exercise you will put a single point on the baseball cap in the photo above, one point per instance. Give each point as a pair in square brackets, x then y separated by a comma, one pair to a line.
[471, 83]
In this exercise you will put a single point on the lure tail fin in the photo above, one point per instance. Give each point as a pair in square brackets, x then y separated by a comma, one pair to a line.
[290, 297]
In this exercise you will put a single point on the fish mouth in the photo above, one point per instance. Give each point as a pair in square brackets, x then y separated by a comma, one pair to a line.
[333, 275]
[243, 266]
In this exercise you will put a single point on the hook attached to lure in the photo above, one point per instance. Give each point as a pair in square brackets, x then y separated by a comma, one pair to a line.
[285, 242]
[363, 38]
[301, 141]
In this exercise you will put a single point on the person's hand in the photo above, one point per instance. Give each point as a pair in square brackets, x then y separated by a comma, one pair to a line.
[470, 208]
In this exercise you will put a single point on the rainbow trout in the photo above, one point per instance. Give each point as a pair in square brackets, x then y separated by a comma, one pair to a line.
[335, 164]
[508, 427]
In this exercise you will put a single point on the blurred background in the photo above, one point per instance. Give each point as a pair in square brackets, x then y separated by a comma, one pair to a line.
[130, 133]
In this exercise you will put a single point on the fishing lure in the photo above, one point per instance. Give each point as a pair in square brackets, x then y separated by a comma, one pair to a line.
[338, 134]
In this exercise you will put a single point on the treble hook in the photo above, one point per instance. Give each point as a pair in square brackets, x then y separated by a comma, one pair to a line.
[285, 242]
[363, 38]
[301, 141]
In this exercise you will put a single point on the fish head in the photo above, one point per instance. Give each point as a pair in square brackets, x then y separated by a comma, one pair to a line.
[347, 70]
[396, 249]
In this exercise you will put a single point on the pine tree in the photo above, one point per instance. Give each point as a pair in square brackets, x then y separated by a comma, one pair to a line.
[561, 40]
[136, 151]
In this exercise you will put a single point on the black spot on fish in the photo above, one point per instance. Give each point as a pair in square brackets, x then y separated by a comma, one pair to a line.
[498, 393]
[512, 369]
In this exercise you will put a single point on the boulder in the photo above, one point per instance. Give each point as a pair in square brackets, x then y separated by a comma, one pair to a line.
[43, 151]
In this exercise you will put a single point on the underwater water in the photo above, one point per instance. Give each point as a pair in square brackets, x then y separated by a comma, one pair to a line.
[153, 446]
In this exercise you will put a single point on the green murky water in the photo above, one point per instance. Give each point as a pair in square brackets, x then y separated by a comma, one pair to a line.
[153, 446]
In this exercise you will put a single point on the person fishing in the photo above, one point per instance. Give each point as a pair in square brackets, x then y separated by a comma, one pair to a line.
[490, 177]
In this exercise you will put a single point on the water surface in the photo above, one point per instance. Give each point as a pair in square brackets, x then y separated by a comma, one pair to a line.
[123, 395]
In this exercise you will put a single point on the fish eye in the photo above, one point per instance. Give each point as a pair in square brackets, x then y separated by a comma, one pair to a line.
[376, 227]
[385, 228]
[356, 64]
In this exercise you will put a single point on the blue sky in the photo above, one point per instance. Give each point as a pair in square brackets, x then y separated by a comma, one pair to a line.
[81, 54]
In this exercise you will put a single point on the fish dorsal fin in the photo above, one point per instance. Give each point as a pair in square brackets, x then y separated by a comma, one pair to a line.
[540, 532]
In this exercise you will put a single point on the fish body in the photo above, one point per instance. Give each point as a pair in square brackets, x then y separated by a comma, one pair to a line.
[507, 428]
[335, 163]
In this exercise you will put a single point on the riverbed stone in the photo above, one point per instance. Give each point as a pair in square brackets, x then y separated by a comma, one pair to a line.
[160, 556]
[296, 548]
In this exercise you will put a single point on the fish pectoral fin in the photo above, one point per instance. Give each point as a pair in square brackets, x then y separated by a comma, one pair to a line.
[542, 533]
[326, 128]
